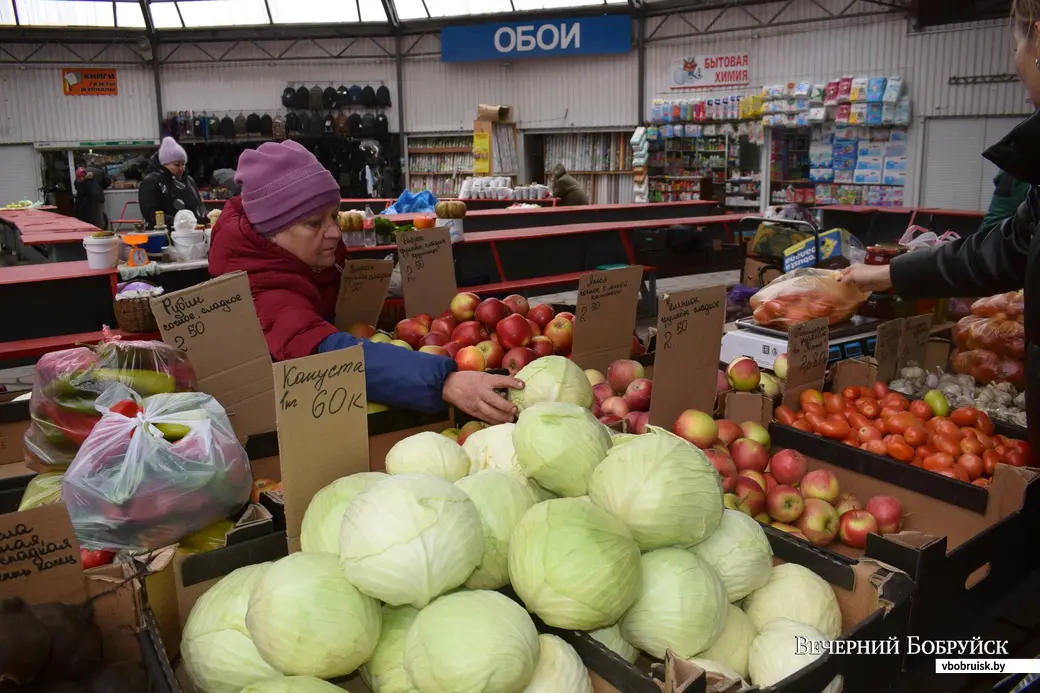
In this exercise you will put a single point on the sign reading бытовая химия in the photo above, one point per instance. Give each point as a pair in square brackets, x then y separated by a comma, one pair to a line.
[537, 38]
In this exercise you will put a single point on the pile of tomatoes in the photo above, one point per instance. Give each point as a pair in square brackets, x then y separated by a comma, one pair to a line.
[961, 446]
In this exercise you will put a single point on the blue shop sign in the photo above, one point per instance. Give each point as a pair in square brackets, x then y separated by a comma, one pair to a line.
[605, 35]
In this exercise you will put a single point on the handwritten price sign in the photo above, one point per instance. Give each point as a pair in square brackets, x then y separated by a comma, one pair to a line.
[362, 292]
[428, 270]
[808, 349]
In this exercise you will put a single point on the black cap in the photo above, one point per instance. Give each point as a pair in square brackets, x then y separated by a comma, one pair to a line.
[288, 97]
[342, 97]
[303, 97]
[292, 123]
[368, 97]
[328, 97]
[383, 97]
[304, 123]
[266, 125]
[355, 123]
[382, 125]
[355, 95]
[253, 124]
[368, 125]
[227, 127]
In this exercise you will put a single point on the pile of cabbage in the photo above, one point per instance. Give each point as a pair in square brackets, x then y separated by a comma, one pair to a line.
[623, 536]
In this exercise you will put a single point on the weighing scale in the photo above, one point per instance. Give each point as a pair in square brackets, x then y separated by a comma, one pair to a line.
[856, 337]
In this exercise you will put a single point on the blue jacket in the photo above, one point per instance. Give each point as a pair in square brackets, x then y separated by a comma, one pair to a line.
[397, 377]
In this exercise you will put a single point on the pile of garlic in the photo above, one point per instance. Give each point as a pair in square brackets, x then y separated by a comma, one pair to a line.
[999, 400]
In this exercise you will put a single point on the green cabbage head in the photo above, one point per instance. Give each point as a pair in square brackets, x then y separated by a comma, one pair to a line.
[219, 656]
[492, 448]
[774, 654]
[612, 638]
[739, 552]
[552, 379]
[662, 487]
[796, 593]
[324, 516]
[559, 445]
[471, 642]
[501, 498]
[574, 565]
[293, 684]
[428, 453]
[732, 646]
[308, 620]
[559, 669]
[384, 672]
[410, 538]
[682, 605]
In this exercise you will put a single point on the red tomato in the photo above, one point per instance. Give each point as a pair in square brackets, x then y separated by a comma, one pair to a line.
[899, 450]
[925, 450]
[917, 462]
[127, 408]
[837, 417]
[762, 315]
[880, 390]
[815, 421]
[972, 466]
[900, 422]
[799, 414]
[858, 421]
[935, 421]
[916, 435]
[1000, 439]
[92, 558]
[896, 401]
[990, 460]
[938, 461]
[987, 442]
[921, 410]
[985, 424]
[851, 442]
[833, 403]
[876, 447]
[836, 430]
[965, 416]
[869, 408]
[948, 429]
[981, 481]
[1016, 458]
[952, 473]
[889, 412]
[971, 446]
[947, 445]
[784, 415]
[813, 408]
[813, 396]
[803, 425]
[867, 434]
[852, 392]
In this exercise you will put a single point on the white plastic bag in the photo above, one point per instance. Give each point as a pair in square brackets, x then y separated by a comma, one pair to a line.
[147, 480]
[184, 221]
[926, 239]
[396, 289]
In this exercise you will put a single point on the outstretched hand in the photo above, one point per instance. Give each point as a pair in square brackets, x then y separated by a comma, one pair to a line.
[868, 277]
[474, 392]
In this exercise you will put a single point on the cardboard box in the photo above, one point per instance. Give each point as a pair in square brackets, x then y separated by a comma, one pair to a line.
[14, 422]
[833, 244]
[758, 272]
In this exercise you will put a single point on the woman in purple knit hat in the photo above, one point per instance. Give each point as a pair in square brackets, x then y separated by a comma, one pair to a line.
[282, 232]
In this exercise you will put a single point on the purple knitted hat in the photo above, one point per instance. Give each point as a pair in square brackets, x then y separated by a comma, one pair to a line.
[283, 183]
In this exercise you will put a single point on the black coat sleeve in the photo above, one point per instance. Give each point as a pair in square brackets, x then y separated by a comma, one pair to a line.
[982, 264]
[150, 199]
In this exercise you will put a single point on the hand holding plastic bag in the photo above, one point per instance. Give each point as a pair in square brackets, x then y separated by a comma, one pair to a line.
[145, 479]
[806, 294]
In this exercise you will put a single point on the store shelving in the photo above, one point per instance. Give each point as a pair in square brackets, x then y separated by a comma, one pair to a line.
[438, 163]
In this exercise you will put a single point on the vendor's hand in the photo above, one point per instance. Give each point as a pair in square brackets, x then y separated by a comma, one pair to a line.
[868, 277]
[474, 393]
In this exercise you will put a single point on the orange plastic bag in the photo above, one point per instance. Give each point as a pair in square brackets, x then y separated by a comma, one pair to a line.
[1001, 336]
[988, 367]
[806, 294]
[1007, 306]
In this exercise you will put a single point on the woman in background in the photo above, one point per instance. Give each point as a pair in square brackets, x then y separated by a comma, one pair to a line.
[167, 188]
[566, 189]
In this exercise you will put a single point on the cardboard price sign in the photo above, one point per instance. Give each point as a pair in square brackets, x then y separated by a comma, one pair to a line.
[427, 270]
[203, 321]
[362, 292]
[807, 350]
[685, 363]
[605, 316]
[886, 349]
[914, 344]
[322, 415]
[39, 555]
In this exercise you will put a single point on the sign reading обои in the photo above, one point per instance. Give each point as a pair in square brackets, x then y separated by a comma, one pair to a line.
[604, 35]
[709, 71]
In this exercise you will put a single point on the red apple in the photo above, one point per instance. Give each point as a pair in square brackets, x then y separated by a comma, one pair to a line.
[490, 312]
[609, 420]
[819, 522]
[517, 358]
[536, 329]
[638, 394]
[469, 429]
[780, 367]
[757, 477]
[785, 504]
[541, 314]
[854, 526]
[615, 406]
[463, 306]
[594, 376]
[744, 374]
[788, 466]
[469, 333]
[748, 454]
[361, 330]
[443, 324]
[889, 513]
[493, 353]
[470, 358]
[494, 338]
[513, 331]
[750, 496]
[728, 431]
[411, 331]
[566, 314]
[542, 346]
[790, 529]
[637, 346]
[435, 339]
[601, 392]
[695, 426]
[622, 372]
[453, 348]
[637, 421]
[434, 349]
[517, 304]
[822, 485]
[756, 432]
[721, 383]
[846, 503]
[724, 465]
[425, 319]
[771, 482]
[560, 332]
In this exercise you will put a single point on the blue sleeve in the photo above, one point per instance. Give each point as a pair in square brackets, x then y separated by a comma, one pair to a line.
[397, 377]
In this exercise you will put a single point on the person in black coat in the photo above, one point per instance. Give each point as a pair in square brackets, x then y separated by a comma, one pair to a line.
[567, 189]
[91, 184]
[167, 188]
[1005, 258]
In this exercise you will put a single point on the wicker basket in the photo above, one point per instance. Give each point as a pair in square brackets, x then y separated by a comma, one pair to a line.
[135, 314]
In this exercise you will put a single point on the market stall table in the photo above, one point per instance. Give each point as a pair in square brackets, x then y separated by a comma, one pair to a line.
[43, 236]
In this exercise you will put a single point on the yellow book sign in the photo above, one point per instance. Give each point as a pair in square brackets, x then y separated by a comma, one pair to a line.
[481, 152]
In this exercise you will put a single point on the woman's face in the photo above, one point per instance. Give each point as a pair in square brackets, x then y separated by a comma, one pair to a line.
[314, 239]
[1027, 52]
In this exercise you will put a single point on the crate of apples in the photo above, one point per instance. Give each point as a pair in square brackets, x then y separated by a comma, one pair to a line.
[959, 444]
[623, 393]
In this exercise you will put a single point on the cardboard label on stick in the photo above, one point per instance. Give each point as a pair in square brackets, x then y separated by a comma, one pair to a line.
[362, 292]
[807, 351]
[914, 344]
[687, 356]
[206, 321]
[322, 415]
[427, 270]
[39, 556]
[886, 349]
[605, 316]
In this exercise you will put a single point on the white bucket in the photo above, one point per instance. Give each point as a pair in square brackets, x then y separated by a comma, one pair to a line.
[102, 253]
